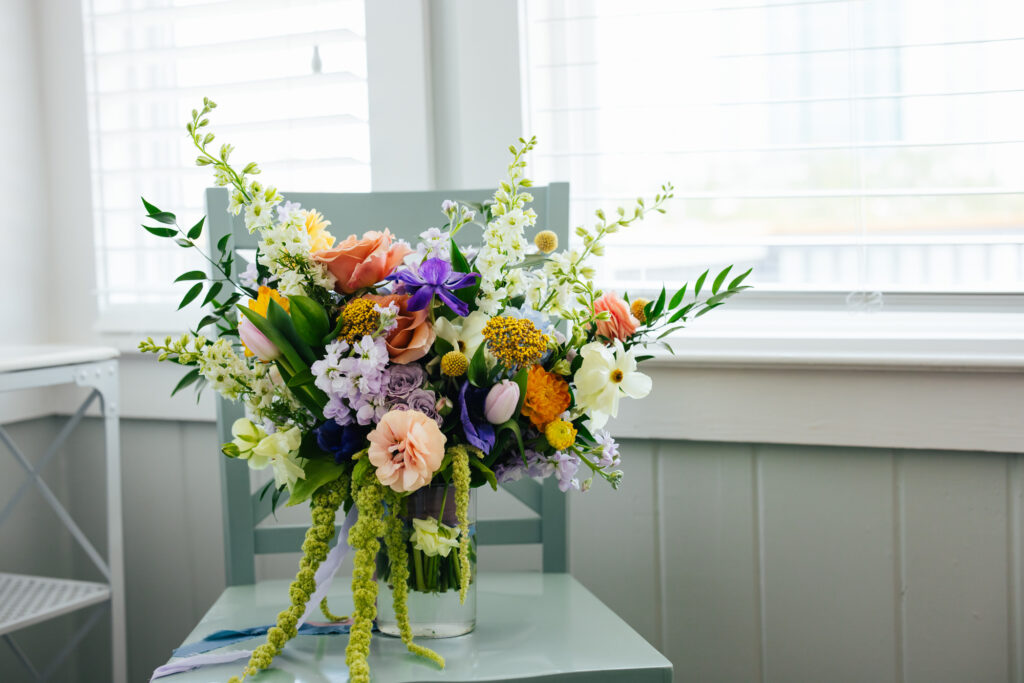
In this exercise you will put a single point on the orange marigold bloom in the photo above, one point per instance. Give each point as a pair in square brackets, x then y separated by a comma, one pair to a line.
[547, 396]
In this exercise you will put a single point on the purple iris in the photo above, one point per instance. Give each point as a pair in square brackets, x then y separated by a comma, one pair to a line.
[341, 442]
[479, 432]
[435, 276]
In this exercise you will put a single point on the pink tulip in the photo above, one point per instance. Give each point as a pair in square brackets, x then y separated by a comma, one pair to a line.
[256, 343]
[501, 402]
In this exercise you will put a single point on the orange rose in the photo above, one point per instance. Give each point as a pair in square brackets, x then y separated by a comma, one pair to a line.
[358, 263]
[413, 334]
[622, 323]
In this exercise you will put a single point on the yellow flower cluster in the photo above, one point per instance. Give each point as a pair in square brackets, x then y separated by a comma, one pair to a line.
[398, 556]
[359, 318]
[560, 434]
[325, 505]
[454, 364]
[546, 241]
[637, 309]
[516, 342]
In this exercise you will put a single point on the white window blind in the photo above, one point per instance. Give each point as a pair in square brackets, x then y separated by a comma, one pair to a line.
[853, 145]
[289, 78]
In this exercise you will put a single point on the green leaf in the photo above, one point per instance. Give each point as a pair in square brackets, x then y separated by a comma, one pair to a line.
[706, 309]
[659, 306]
[678, 315]
[442, 346]
[150, 209]
[188, 379]
[485, 470]
[700, 283]
[310, 319]
[280, 319]
[717, 284]
[207, 320]
[197, 229]
[460, 264]
[222, 243]
[521, 379]
[736, 282]
[160, 232]
[276, 337]
[677, 298]
[191, 275]
[165, 217]
[513, 427]
[190, 295]
[478, 367]
[301, 379]
[213, 292]
[318, 473]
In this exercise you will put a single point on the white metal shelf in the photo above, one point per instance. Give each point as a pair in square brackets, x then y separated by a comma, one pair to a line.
[27, 600]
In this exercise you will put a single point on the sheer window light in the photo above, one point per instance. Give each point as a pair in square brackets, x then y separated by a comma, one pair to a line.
[851, 145]
[289, 78]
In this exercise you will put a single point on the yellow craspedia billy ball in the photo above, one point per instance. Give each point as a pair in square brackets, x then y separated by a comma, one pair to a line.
[546, 241]
[454, 364]
[637, 309]
[560, 434]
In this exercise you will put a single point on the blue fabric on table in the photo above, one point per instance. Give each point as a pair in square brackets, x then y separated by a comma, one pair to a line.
[232, 636]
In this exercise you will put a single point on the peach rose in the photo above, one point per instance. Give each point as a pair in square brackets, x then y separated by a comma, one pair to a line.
[358, 263]
[406, 447]
[622, 323]
[413, 334]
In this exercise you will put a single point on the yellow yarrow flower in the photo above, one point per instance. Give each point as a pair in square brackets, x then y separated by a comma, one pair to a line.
[454, 364]
[515, 342]
[560, 434]
[316, 227]
[360, 319]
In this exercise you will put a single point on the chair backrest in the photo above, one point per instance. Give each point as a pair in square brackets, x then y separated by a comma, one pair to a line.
[407, 214]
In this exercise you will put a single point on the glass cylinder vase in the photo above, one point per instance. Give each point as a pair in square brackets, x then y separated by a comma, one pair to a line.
[434, 567]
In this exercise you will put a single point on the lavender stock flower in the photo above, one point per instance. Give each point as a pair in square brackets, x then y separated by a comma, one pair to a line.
[435, 277]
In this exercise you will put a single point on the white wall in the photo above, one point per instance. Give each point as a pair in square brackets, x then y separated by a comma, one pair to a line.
[25, 219]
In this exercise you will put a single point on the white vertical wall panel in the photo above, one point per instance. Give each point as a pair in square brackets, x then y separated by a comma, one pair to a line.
[711, 609]
[957, 563]
[614, 541]
[826, 546]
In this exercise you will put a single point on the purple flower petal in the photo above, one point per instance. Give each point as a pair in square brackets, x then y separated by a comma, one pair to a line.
[406, 276]
[435, 271]
[421, 299]
[480, 435]
[456, 282]
[458, 306]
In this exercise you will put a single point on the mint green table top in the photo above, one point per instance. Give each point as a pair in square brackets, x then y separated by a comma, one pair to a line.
[530, 627]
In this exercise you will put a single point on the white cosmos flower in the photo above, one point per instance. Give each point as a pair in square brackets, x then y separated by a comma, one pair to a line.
[605, 376]
[464, 334]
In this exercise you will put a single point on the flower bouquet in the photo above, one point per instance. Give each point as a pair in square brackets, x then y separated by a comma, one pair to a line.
[389, 379]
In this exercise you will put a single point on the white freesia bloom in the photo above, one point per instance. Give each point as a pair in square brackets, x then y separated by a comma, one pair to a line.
[247, 435]
[604, 377]
[431, 537]
[464, 334]
[281, 450]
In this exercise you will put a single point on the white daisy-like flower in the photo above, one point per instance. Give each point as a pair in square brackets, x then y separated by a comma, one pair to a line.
[606, 375]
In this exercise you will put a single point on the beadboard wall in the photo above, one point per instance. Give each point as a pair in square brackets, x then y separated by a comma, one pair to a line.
[740, 562]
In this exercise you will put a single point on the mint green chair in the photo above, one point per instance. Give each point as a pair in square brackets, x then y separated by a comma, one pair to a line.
[407, 214]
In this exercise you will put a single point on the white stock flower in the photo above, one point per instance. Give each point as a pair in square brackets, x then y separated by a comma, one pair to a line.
[605, 376]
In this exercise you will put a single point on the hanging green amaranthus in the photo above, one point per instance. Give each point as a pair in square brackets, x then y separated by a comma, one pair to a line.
[324, 508]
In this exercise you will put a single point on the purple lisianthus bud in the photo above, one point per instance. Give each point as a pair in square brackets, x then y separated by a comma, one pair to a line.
[256, 341]
[501, 402]
[404, 378]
